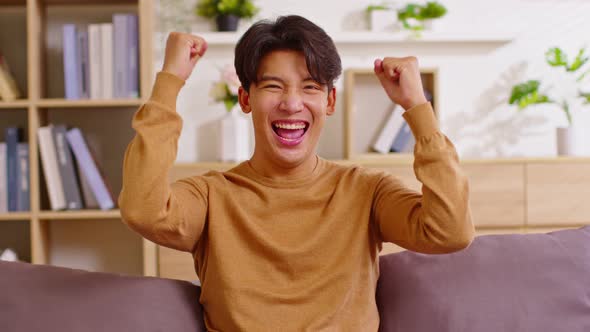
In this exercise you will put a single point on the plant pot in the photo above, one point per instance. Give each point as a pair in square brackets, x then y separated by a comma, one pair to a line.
[227, 22]
[234, 136]
[569, 141]
[431, 24]
[383, 20]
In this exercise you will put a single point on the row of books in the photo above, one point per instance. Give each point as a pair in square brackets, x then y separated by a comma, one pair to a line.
[396, 135]
[72, 176]
[14, 172]
[101, 60]
[8, 89]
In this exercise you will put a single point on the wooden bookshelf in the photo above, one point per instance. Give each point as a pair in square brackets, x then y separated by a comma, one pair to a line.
[42, 233]
[363, 122]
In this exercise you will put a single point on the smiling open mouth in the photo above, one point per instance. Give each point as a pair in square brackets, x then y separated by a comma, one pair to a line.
[290, 131]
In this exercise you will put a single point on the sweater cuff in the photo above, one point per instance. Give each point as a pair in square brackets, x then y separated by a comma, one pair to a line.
[422, 120]
[166, 89]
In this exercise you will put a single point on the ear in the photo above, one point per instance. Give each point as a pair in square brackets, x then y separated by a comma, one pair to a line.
[244, 100]
[331, 102]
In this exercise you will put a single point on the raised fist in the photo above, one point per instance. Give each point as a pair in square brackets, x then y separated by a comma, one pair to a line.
[400, 78]
[183, 51]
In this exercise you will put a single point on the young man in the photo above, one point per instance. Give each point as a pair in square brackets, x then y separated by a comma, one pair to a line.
[288, 241]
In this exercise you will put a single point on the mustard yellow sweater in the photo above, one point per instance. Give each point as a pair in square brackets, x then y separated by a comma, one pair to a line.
[297, 255]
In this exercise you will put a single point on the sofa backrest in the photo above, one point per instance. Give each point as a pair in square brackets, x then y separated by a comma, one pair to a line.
[516, 282]
[524, 283]
[48, 298]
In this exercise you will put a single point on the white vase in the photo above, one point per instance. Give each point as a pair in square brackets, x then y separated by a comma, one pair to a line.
[234, 136]
[432, 24]
[570, 141]
[383, 20]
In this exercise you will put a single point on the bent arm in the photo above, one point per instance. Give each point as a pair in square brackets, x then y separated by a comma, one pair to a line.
[438, 220]
[170, 215]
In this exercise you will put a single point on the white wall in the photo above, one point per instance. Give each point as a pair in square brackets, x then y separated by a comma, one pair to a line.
[475, 80]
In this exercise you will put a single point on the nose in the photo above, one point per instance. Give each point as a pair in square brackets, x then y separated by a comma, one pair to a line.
[291, 102]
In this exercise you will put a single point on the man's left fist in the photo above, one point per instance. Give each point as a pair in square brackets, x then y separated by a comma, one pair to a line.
[400, 78]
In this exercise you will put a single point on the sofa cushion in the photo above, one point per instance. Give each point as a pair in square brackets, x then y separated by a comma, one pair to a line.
[47, 298]
[516, 282]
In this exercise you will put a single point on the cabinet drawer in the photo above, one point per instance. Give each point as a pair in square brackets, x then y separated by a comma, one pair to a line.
[558, 194]
[497, 194]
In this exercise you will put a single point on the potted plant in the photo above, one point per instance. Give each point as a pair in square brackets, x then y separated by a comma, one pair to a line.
[227, 13]
[382, 17]
[417, 17]
[528, 94]
[234, 128]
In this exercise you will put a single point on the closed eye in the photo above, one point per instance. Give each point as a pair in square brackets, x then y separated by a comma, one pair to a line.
[272, 86]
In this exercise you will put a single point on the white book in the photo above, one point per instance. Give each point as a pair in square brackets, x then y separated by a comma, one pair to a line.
[3, 182]
[390, 129]
[53, 182]
[106, 44]
[95, 61]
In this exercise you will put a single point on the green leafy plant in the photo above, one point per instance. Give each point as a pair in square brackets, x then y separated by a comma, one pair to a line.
[527, 94]
[383, 6]
[418, 13]
[214, 8]
[432, 10]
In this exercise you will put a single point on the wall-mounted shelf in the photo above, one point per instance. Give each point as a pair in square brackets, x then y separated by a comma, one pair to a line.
[366, 37]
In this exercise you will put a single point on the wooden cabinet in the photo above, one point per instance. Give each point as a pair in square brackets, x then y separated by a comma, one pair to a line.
[507, 196]
[558, 193]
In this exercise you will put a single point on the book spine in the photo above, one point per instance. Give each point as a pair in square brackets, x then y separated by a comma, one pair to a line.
[89, 169]
[12, 138]
[3, 183]
[50, 168]
[94, 61]
[120, 57]
[66, 169]
[84, 62]
[71, 62]
[90, 201]
[389, 131]
[402, 139]
[106, 44]
[133, 40]
[23, 191]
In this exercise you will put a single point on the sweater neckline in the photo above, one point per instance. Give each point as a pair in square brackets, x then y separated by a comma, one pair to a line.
[307, 179]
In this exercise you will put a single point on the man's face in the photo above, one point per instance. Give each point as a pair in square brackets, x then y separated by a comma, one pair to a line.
[288, 108]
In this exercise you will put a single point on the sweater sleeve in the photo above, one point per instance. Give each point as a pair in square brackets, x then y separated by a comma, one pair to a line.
[438, 220]
[172, 215]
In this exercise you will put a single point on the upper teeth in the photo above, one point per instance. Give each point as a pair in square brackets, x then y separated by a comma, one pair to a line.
[290, 125]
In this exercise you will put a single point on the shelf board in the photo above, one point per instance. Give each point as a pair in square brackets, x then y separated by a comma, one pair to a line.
[79, 214]
[19, 103]
[11, 216]
[87, 2]
[63, 103]
[13, 3]
[367, 37]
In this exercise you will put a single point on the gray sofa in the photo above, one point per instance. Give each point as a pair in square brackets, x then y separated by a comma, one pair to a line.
[524, 283]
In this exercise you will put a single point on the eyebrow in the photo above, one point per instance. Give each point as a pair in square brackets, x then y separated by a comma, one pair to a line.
[278, 79]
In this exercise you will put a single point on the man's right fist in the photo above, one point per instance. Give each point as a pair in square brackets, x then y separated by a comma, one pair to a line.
[182, 53]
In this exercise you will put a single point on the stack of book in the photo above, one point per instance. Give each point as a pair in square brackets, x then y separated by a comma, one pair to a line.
[101, 60]
[72, 176]
[8, 89]
[14, 172]
[396, 135]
